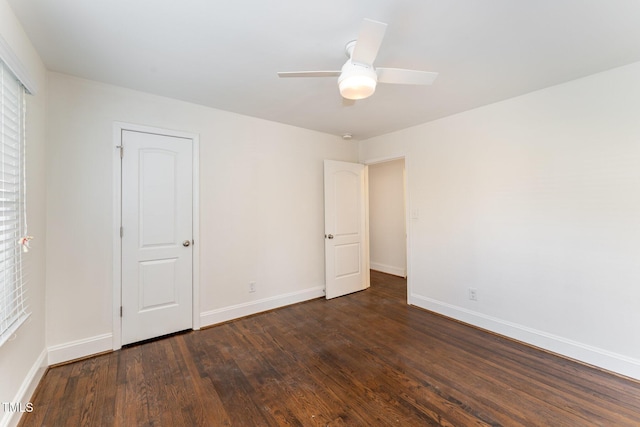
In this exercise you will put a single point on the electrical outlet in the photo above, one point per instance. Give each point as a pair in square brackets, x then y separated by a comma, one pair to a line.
[252, 286]
[473, 294]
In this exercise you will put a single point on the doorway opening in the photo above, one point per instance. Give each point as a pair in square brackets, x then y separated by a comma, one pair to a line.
[388, 248]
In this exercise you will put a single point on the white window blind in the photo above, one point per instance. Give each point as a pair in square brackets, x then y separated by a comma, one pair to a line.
[13, 308]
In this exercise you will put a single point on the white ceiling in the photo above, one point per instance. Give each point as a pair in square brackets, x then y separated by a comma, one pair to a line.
[225, 54]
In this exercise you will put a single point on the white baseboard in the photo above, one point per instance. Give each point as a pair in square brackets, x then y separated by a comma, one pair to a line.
[225, 314]
[25, 392]
[89, 346]
[81, 348]
[591, 355]
[396, 271]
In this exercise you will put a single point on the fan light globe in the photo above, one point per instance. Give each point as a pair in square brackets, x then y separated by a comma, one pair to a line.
[357, 81]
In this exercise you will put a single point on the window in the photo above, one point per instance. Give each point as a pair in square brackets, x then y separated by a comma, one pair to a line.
[13, 309]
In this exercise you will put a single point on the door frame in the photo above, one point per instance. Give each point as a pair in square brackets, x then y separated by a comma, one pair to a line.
[407, 213]
[118, 128]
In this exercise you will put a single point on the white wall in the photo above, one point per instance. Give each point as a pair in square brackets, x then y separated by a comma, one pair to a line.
[22, 358]
[388, 248]
[261, 215]
[534, 202]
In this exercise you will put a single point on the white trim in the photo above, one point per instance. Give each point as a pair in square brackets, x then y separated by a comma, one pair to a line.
[389, 269]
[385, 159]
[225, 314]
[80, 348]
[595, 356]
[117, 249]
[118, 127]
[408, 225]
[17, 67]
[367, 240]
[25, 392]
[196, 232]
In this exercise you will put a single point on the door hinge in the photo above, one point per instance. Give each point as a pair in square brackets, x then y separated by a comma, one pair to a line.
[120, 311]
[121, 232]
[121, 147]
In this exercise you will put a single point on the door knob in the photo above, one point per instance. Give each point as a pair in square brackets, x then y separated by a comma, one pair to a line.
[329, 236]
[186, 243]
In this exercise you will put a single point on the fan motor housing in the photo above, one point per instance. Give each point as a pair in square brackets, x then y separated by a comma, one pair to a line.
[357, 81]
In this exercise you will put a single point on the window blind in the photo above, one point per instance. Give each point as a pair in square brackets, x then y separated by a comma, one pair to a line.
[13, 308]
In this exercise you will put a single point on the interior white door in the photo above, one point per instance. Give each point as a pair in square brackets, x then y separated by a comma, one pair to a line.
[156, 235]
[346, 255]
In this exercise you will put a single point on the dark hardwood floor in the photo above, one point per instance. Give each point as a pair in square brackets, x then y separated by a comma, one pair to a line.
[366, 359]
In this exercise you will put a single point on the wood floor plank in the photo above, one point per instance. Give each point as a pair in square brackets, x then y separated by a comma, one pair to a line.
[331, 343]
[96, 391]
[336, 378]
[209, 409]
[365, 359]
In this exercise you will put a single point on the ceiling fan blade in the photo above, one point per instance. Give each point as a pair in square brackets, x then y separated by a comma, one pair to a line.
[407, 77]
[309, 74]
[368, 42]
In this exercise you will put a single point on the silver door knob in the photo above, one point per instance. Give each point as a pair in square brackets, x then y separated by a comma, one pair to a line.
[329, 236]
[186, 243]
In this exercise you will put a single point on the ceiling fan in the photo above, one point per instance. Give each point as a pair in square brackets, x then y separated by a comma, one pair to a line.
[358, 77]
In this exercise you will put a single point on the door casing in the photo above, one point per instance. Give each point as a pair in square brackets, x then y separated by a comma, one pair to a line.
[118, 128]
